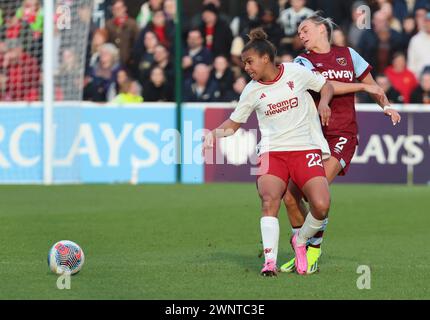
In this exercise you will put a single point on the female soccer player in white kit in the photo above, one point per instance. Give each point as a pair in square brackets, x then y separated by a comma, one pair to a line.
[291, 141]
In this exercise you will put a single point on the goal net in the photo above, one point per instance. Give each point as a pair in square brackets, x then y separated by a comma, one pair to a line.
[22, 69]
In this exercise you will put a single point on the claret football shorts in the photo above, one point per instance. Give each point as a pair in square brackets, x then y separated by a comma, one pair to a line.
[343, 149]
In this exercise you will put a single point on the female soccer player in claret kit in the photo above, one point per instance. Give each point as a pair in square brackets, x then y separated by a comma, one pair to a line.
[341, 66]
[291, 142]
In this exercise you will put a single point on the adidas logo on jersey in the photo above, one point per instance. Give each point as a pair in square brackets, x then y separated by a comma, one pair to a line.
[262, 96]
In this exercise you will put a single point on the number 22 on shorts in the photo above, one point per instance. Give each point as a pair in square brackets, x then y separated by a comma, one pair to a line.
[314, 160]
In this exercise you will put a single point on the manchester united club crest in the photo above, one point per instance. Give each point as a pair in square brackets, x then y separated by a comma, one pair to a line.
[291, 84]
[341, 61]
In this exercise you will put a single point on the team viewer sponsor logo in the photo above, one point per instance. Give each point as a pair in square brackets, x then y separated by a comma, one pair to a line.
[275, 108]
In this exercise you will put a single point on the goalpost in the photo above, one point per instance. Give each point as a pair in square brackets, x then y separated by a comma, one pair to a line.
[48, 91]
[65, 40]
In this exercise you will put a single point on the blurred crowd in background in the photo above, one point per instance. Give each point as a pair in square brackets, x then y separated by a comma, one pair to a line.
[131, 53]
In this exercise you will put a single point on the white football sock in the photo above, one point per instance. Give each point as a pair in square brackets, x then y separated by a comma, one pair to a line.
[270, 236]
[309, 229]
[294, 230]
[316, 241]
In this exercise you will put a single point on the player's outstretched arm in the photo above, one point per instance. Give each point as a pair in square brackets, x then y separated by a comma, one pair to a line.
[341, 88]
[227, 128]
[323, 107]
[383, 102]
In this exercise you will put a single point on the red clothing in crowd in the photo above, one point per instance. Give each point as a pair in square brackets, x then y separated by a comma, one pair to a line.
[404, 82]
[22, 78]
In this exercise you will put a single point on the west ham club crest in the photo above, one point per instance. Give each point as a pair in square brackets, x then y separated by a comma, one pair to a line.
[341, 61]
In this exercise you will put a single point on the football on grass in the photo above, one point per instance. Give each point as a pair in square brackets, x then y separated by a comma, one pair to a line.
[66, 257]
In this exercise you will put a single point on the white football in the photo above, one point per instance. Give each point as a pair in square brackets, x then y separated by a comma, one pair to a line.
[66, 257]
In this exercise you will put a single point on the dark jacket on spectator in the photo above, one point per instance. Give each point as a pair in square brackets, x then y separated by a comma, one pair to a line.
[210, 94]
[123, 36]
[97, 88]
[203, 56]
[400, 8]
[369, 44]
[222, 39]
[225, 84]
[420, 96]
[153, 93]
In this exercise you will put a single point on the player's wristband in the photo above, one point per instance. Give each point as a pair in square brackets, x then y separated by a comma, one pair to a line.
[386, 107]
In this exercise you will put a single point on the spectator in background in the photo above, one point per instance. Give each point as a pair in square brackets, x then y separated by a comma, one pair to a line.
[354, 32]
[409, 29]
[163, 29]
[338, 38]
[242, 25]
[68, 76]
[419, 49]
[122, 31]
[196, 20]
[121, 77]
[146, 12]
[402, 79]
[392, 94]
[290, 18]
[216, 32]
[377, 45]
[237, 45]
[404, 8]
[169, 8]
[100, 37]
[238, 87]
[393, 22]
[422, 93]
[103, 75]
[162, 60]
[20, 74]
[223, 76]
[144, 59]
[157, 89]
[201, 88]
[420, 18]
[272, 29]
[31, 13]
[284, 57]
[195, 53]
[129, 93]
[338, 10]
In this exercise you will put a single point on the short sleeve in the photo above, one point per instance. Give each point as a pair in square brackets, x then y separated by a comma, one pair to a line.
[312, 80]
[244, 108]
[361, 66]
[304, 62]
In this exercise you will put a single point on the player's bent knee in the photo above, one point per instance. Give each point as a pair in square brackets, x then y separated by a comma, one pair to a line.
[321, 207]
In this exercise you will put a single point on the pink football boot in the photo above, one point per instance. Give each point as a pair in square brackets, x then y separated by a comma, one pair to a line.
[301, 262]
[269, 269]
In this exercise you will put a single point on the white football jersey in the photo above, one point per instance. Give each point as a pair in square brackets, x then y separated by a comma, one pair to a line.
[286, 112]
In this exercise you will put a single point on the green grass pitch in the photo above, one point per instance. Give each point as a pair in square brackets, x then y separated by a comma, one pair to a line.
[203, 242]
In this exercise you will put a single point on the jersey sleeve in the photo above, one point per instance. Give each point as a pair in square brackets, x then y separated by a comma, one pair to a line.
[312, 80]
[304, 62]
[361, 67]
[244, 108]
